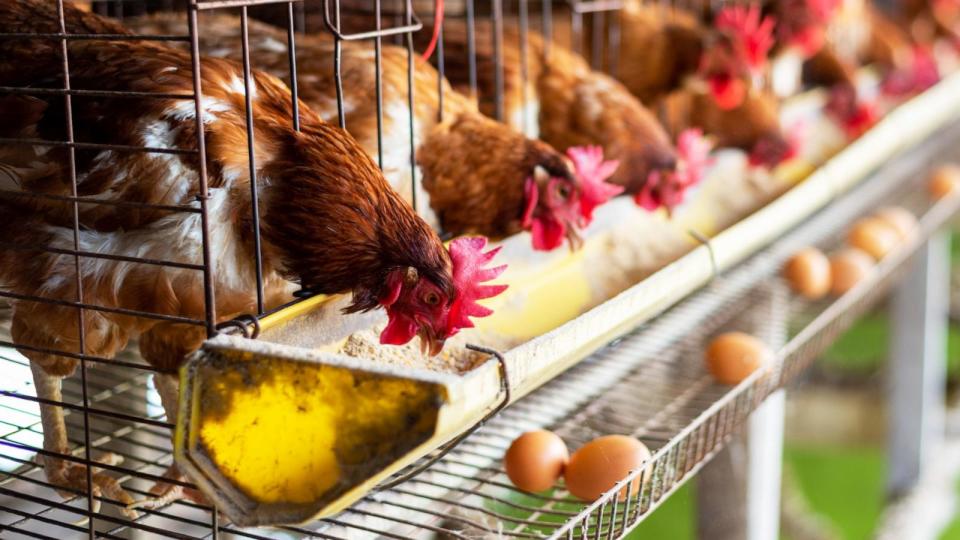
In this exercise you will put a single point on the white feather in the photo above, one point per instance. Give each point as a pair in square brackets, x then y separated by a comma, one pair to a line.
[186, 109]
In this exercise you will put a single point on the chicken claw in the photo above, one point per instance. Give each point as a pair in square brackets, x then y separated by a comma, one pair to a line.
[164, 493]
[73, 478]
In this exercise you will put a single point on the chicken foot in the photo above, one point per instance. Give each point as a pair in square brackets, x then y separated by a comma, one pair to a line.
[164, 493]
[70, 476]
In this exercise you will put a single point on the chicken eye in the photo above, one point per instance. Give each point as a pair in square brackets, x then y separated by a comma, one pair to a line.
[431, 299]
[563, 191]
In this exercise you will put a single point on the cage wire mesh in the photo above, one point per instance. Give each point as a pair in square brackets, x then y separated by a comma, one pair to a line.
[116, 425]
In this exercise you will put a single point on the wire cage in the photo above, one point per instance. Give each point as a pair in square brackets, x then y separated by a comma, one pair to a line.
[115, 410]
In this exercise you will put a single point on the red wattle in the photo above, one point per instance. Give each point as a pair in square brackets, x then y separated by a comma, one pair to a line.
[728, 92]
[399, 330]
[547, 234]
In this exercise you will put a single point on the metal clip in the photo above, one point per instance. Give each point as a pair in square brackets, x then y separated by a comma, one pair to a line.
[504, 389]
[415, 27]
[703, 239]
[242, 323]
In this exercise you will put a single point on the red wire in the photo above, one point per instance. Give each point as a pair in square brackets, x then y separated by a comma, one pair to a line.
[437, 25]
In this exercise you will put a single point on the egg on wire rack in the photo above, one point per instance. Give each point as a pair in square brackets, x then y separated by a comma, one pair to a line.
[535, 460]
[598, 465]
[902, 221]
[733, 356]
[944, 181]
[874, 236]
[848, 267]
[808, 273]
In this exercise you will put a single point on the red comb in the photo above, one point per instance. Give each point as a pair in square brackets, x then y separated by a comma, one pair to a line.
[668, 189]
[753, 35]
[592, 172]
[468, 275]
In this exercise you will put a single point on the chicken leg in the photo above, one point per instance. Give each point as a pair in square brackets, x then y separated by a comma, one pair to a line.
[49, 370]
[71, 476]
[164, 493]
[165, 346]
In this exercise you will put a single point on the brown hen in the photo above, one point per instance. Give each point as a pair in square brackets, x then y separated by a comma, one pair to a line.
[706, 77]
[555, 95]
[478, 174]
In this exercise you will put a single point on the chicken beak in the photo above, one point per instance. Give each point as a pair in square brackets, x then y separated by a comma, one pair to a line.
[573, 237]
[436, 346]
[430, 344]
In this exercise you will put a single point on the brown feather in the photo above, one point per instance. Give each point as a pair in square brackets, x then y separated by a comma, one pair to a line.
[329, 218]
[469, 191]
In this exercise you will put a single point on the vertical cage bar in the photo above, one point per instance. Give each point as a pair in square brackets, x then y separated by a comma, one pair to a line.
[496, 16]
[292, 56]
[337, 60]
[674, 465]
[659, 477]
[203, 197]
[472, 49]
[598, 520]
[546, 26]
[408, 20]
[248, 89]
[625, 513]
[576, 30]
[301, 17]
[524, 66]
[597, 20]
[378, 74]
[441, 72]
[611, 528]
[614, 43]
[78, 274]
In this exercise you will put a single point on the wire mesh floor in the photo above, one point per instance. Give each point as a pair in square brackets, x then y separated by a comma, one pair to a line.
[650, 384]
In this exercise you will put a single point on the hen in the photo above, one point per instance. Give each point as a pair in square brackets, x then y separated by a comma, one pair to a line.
[329, 219]
[561, 100]
[703, 77]
[480, 176]
[836, 38]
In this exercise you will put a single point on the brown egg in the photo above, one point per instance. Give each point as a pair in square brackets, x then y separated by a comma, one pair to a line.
[808, 273]
[598, 465]
[899, 218]
[944, 181]
[733, 356]
[535, 460]
[874, 236]
[847, 267]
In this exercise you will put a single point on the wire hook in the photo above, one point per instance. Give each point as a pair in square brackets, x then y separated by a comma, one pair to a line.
[703, 239]
[242, 323]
